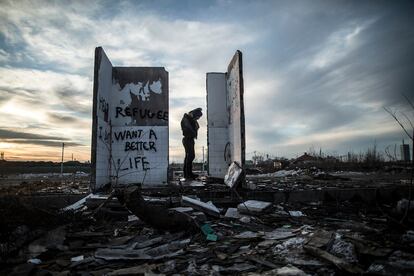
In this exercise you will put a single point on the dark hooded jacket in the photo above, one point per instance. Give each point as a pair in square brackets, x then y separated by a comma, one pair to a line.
[189, 126]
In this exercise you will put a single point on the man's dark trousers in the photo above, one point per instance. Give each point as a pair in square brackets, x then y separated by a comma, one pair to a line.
[188, 143]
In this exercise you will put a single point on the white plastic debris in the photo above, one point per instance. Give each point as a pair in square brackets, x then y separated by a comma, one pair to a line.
[34, 261]
[233, 174]
[290, 270]
[279, 234]
[132, 218]
[296, 214]
[343, 249]
[253, 206]
[279, 174]
[208, 208]
[80, 203]
[289, 244]
[232, 213]
[248, 235]
[77, 258]
[245, 219]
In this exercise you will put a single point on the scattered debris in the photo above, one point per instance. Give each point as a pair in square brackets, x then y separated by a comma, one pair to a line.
[232, 178]
[253, 207]
[338, 262]
[209, 232]
[156, 215]
[169, 232]
[209, 209]
[232, 213]
[296, 214]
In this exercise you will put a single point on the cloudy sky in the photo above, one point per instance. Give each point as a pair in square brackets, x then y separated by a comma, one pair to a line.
[317, 73]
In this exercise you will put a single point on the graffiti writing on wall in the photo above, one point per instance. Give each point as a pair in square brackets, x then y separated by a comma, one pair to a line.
[143, 90]
[142, 113]
[138, 146]
[104, 107]
[138, 163]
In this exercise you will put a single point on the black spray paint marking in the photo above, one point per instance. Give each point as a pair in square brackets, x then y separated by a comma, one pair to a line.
[139, 163]
[140, 146]
[143, 113]
[104, 107]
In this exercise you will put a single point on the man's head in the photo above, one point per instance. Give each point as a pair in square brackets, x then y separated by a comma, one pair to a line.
[196, 113]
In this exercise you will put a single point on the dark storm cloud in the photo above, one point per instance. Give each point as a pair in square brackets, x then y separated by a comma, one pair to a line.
[62, 119]
[366, 61]
[71, 98]
[12, 134]
[325, 65]
[18, 137]
[47, 143]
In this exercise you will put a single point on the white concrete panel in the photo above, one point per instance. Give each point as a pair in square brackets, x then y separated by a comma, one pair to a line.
[101, 124]
[130, 132]
[225, 118]
[233, 106]
[216, 100]
[140, 155]
[102, 164]
[217, 121]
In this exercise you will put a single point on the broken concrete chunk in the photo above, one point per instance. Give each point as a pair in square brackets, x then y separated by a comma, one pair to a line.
[279, 234]
[81, 203]
[207, 208]
[231, 179]
[168, 250]
[155, 215]
[245, 219]
[253, 207]
[183, 209]
[236, 268]
[320, 238]
[198, 216]
[144, 269]
[248, 235]
[232, 213]
[338, 262]
[51, 240]
[290, 270]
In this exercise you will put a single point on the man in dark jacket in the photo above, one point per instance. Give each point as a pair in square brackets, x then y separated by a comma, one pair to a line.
[189, 126]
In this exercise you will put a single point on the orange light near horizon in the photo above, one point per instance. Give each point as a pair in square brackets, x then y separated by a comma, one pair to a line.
[27, 152]
[5, 145]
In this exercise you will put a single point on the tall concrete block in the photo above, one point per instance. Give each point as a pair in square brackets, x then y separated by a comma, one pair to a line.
[130, 124]
[225, 118]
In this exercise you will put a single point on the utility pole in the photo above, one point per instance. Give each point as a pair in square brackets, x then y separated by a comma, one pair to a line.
[61, 164]
[203, 162]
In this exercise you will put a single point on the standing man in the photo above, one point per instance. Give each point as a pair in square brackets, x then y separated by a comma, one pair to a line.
[189, 126]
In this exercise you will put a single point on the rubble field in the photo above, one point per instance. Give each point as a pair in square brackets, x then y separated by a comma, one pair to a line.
[285, 223]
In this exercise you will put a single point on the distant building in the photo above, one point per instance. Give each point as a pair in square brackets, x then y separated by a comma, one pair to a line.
[305, 158]
[405, 152]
